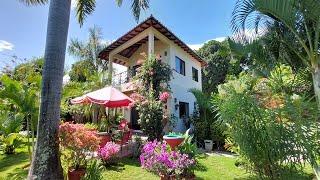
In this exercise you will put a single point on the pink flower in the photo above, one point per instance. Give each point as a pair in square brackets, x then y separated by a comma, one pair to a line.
[110, 150]
[137, 97]
[123, 124]
[164, 96]
[78, 139]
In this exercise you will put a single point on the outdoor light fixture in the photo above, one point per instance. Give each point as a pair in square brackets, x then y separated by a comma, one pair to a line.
[176, 106]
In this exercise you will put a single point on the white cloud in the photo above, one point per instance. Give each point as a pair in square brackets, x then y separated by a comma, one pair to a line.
[5, 45]
[198, 46]
[73, 4]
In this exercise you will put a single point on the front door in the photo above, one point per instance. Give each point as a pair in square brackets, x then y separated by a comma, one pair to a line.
[134, 119]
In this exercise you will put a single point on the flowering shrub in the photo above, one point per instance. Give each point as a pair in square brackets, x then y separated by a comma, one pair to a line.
[79, 141]
[164, 96]
[109, 152]
[157, 157]
[153, 78]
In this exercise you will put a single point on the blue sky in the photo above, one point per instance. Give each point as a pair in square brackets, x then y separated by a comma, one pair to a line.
[23, 29]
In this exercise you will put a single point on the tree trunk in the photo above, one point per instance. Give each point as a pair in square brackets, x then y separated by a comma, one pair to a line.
[46, 158]
[316, 84]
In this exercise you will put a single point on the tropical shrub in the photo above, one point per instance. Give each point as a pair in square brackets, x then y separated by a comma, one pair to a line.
[76, 141]
[187, 146]
[152, 82]
[157, 157]
[10, 125]
[204, 120]
[108, 153]
[94, 171]
[275, 131]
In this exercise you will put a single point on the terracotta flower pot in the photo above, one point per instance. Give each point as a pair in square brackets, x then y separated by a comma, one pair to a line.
[167, 177]
[76, 174]
[173, 140]
[190, 177]
[104, 138]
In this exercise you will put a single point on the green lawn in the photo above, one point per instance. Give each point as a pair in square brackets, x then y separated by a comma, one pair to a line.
[211, 167]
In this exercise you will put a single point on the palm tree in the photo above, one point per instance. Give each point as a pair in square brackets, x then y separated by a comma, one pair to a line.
[89, 50]
[46, 161]
[301, 19]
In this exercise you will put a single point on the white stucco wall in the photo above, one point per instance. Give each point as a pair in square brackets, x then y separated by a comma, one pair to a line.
[179, 84]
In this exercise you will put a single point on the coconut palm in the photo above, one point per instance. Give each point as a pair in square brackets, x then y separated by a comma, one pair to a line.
[301, 19]
[46, 162]
[90, 49]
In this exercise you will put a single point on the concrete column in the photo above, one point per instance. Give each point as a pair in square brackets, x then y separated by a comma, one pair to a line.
[150, 43]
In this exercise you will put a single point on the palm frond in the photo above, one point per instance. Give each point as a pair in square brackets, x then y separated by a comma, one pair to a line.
[119, 2]
[84, 8]
[202, 99]
[137, 6]
[76, 48]
[34, 2]
[257, 14]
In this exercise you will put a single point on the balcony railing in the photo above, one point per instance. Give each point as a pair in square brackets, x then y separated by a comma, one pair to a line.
[123, 77]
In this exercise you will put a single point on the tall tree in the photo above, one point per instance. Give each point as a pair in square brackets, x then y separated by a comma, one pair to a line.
[90, 49]
[302, 20]
[46, 161]
[220, 64]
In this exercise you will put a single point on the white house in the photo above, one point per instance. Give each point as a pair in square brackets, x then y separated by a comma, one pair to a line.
[151, 37]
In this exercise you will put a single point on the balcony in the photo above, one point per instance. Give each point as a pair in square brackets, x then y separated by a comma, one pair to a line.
[123, 77]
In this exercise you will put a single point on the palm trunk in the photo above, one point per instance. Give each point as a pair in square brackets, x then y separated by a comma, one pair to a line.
[46, 158]
[316, 86]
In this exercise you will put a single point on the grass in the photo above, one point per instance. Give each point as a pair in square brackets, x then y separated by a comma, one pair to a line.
[214, 167]
[13, 166]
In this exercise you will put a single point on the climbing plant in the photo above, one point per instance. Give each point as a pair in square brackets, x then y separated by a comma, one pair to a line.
[152, 92]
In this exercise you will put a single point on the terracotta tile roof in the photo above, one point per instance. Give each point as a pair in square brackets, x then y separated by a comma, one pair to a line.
[150, 22]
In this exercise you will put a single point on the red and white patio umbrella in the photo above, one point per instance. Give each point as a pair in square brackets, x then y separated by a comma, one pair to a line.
[108, 96]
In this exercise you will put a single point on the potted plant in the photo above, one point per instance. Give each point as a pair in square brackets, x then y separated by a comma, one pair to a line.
[173, 139]
[157, 157]
[77, 142]
[109, 153]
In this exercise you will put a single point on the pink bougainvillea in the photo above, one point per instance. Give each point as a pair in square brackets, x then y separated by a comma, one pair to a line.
[109, 152]
[164, 96]
[137, 97]
[157, 157]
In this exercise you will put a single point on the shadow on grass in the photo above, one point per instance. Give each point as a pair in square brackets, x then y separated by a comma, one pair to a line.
[120, 166]
[12, 160]
[19, 174]
[200, 166]
[286, 174]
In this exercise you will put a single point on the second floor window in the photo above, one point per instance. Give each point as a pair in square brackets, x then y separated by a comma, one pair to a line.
[195, 74]
[180, 66]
